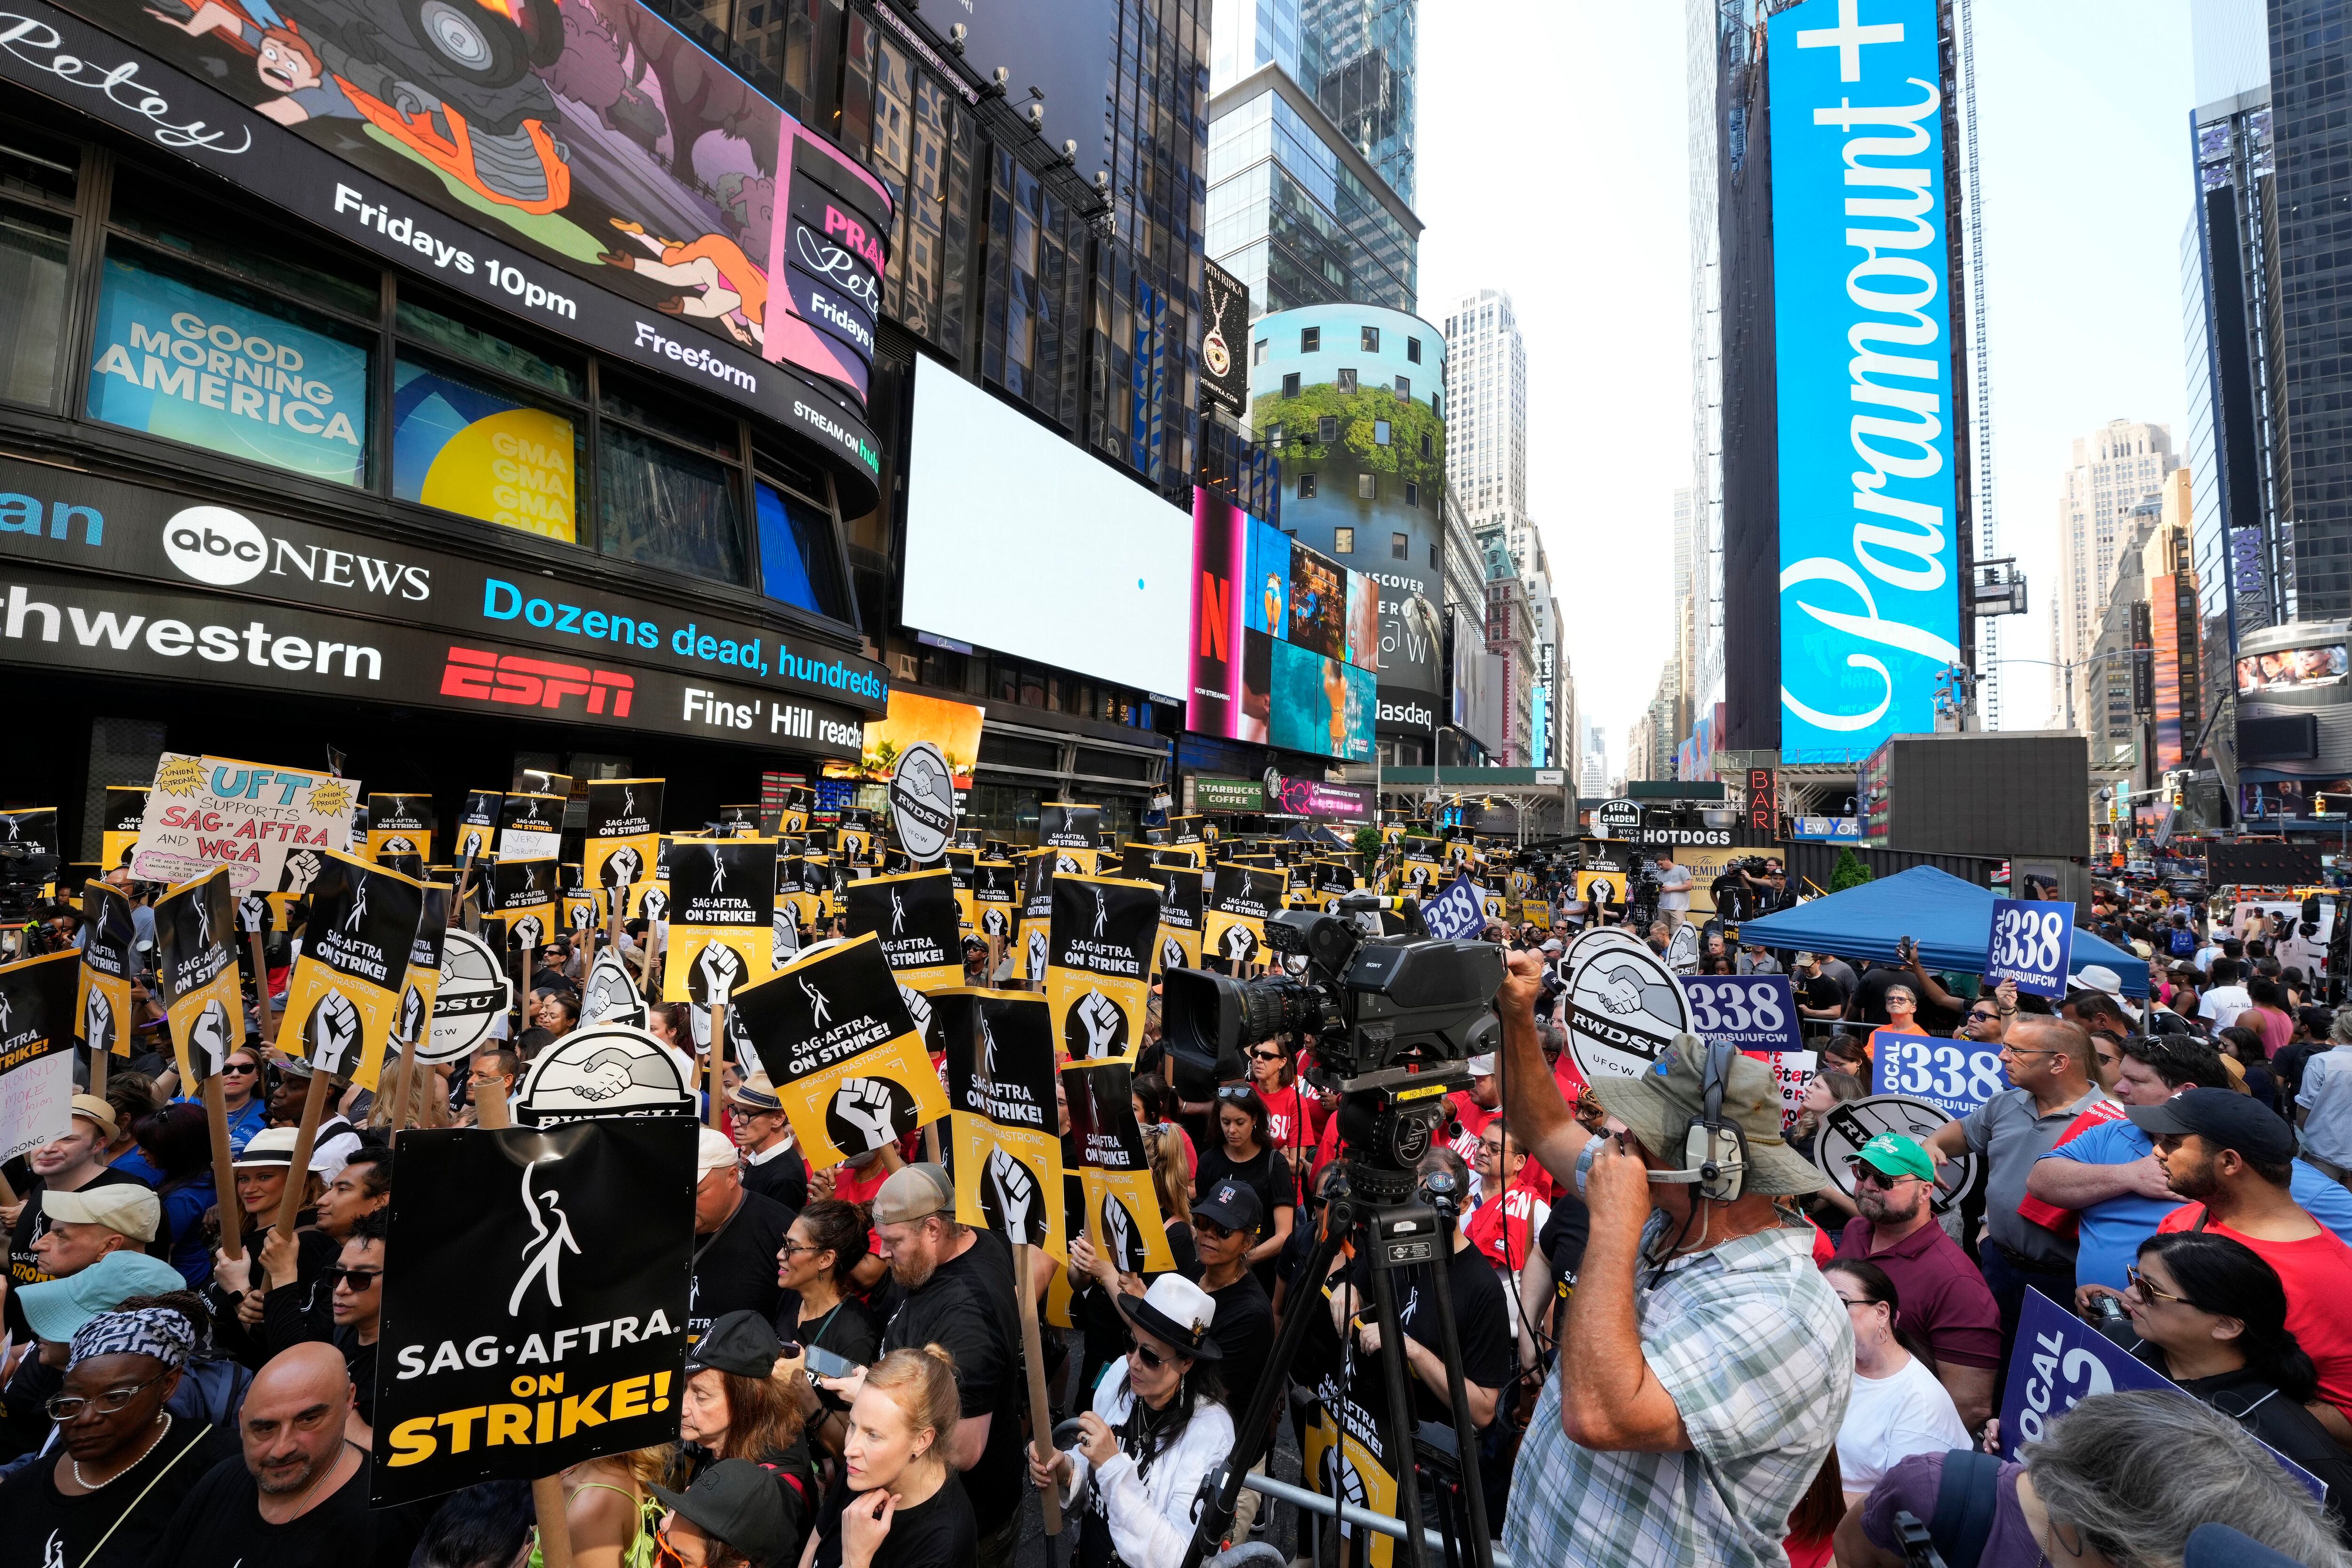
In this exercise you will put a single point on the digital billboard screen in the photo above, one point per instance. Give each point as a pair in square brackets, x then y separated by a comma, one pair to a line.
[1284, 640]
[1869, 568]
[1060, 47]
[1024, 542]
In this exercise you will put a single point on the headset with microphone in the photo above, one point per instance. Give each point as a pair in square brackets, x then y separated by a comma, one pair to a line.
[1714, 1152]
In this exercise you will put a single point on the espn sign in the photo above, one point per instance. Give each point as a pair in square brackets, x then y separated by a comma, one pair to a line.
[522, 681]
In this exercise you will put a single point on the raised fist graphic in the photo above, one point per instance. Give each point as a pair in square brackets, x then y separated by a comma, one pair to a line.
[1014, 1189]
[334, 1033]
[1037, 953]
[656, 906]
[253, 913]
[1105, 1024]
[992, 921]
[208, 1041]
[1171, 953]
[97, 1021]
[717, 969]
[1119, 1240]
[302, 868]
[527, 933]
[863, 1104]
[621, 866]
[1240, 943]
[919, 1008]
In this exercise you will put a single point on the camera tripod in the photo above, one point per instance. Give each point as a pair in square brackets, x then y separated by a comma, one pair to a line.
[1378, 1210]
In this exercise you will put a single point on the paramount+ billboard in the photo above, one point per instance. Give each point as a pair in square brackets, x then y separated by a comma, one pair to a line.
[1869, 564]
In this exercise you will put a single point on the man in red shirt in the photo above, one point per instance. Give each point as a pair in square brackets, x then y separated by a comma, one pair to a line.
[1473, 1109]
[2233, 1159]
[1504, 1227]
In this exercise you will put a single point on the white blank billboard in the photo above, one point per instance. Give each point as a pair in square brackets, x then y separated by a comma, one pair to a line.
[1024, 543]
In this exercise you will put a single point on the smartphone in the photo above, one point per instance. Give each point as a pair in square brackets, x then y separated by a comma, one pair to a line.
[823, 1362]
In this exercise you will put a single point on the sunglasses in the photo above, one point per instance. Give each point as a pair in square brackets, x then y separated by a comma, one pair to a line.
[1236, 1092]
[1144, 1354]
[1212, 1229]
[1864, 1176]
[1982, 1017]
[1265, 1056]
[2148, 1292]
[359, 1280]
[239, 1070]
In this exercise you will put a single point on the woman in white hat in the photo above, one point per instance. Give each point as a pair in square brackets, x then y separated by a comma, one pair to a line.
[1158, 1426]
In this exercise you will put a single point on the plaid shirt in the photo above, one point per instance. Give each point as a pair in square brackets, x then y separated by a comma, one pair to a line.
[1755, 1349]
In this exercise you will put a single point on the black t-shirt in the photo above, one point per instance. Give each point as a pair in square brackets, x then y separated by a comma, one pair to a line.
[735, 1268]
[1480, 1321]
[32, 1224]
[2262, 1410]
[1562, 1241]
[781, 1178]
[1265, 1173]
[850, 1330]
[41, 1528]
[967, 1306]
[1819, 991]
[941, 1531]
[220, 1526]
[2288, 1064]
[1243, 1330]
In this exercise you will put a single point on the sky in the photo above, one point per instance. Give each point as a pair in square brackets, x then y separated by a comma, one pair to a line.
[1553, 163]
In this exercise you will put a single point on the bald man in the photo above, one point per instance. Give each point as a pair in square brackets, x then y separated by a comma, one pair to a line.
[299, 1493]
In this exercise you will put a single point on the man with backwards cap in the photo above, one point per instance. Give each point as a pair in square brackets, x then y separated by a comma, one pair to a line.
[1705, 1363]
[2234, 1160]
[65, 1165]
[955, 1285]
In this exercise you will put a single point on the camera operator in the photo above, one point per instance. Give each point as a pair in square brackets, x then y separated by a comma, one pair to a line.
[1705, 1366]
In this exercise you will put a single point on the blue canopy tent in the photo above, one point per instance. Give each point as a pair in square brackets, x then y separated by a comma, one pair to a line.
[1950, 919]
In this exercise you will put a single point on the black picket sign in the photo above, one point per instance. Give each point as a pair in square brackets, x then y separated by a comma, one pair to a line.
[534, 1301]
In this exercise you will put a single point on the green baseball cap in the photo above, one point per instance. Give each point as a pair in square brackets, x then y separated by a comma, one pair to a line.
[1893, 1154]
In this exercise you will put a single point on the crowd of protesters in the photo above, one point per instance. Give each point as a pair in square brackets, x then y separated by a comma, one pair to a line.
[1657, 1367]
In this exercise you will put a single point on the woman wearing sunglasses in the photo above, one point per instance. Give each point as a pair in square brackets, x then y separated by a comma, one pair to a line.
[1244, 1153]
[1293, 1116]
[1159, 1423]
[104, 1493]
[2211, 1316]
[247, 1106]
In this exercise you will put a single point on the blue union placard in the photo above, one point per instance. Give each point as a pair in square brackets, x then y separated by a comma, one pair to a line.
[1870, 592]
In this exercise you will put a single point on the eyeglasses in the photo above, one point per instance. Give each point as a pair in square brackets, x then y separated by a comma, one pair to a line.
[1265, 1056]
[359, 1280]
[66, 1406]
[1856, 1301]
[2007, 1050]
[240, 1069]
[2139, 1283]
[1864, 1176]
[791, 1248]
[1212, 1229]
[1144, 1354]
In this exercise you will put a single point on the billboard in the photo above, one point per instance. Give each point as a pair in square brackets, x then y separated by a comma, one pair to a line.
[1284, 640]
[1061, 48]
[578, 163]
[1224, 343]
[1019, 540]
[1869, 567]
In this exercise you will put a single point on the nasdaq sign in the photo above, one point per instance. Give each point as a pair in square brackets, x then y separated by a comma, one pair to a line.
[1870, 603]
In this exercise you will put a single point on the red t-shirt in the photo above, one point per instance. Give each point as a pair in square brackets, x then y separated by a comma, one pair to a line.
[1472, 1118]
[1290, 1116]
[2317, 1274]
[1505, 1227]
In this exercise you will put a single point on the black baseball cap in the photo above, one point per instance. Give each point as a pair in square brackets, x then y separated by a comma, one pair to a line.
[741, 1343]
[737, 1502]
[2224, 1118]
[1229, 1204]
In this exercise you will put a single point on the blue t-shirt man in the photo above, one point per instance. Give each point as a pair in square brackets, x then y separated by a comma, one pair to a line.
[2114, 1227]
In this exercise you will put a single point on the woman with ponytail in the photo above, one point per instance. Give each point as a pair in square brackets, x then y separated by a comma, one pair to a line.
[1899, 1408]
[897, 1504]
[2211, 1316]
[1157, 1425]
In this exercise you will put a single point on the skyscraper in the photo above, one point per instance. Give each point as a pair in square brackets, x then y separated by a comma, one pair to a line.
[1487, 402]
[2116, 468]
[1596, 761]
[1310, 151]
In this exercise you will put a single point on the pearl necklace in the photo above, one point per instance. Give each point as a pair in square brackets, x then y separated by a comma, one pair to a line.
[88, 1485]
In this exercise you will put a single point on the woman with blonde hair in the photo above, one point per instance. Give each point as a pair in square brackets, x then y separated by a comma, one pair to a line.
[897, 1503]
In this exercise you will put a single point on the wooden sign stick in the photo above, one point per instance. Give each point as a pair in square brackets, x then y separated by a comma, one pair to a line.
[261, 987]
[232, 1214]
[1041, 1414]
[467, 915]
[716, 1063]
[97, 1071]
[314, 1102]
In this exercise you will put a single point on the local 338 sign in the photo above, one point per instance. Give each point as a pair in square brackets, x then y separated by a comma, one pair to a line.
[53, 517]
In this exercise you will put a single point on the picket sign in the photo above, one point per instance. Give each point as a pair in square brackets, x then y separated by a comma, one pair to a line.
[1456, 914]
[1956, 1075]
[1041, 1412]
[2062, 1361]
[2031, 943]
[546, 1491]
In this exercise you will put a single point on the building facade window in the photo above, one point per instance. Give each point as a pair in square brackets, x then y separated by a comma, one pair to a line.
[1343, 542]
[1347, 381]
[1380, 432]
[1306, 486]
[1257, 351]
[1290, 384]
[1400, 546]
[1404, 389]
[1326, 428]
[1367, 487]
[1412, 350]
[1412, 493]
[1310, 340]
[1371, 339]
